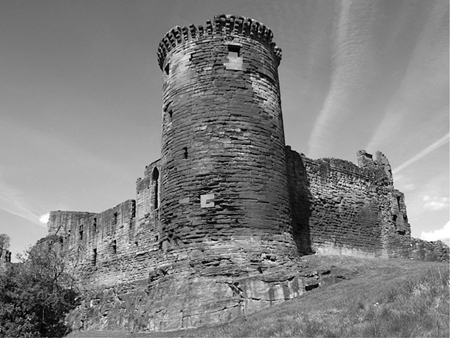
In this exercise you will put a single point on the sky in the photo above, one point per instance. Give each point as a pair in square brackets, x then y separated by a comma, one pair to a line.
[80, 96]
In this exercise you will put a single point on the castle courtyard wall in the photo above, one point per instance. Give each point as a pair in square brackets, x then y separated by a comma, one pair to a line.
[341, 208]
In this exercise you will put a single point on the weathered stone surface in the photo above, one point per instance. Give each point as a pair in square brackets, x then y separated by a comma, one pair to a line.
[185, 294]
[218, 223]
[223, 139]
[5, 259]
[340, 208]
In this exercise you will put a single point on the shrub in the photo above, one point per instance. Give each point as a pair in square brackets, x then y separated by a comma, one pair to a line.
[36, 294]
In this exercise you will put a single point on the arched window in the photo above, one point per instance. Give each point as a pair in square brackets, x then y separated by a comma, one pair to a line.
[155, 179]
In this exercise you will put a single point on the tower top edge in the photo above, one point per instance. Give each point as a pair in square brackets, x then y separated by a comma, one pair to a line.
[222, 24]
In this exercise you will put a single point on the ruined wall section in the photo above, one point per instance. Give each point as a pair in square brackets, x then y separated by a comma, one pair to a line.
[396, 234]
[396, 231]
[223, 159]
[148, 201]
[300, 199]
[342, 208]
[62, 222]
[5, 259]
[117, 245]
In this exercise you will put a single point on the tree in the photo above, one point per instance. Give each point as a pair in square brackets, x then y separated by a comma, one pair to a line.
[36, 294]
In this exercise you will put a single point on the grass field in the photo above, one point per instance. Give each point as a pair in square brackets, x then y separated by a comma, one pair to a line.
[384, 298]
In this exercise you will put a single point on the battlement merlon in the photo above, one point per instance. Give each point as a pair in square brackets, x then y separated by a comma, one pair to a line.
[223, 24]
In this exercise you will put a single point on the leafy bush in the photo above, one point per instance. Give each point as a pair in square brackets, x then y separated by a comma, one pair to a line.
[36, 294]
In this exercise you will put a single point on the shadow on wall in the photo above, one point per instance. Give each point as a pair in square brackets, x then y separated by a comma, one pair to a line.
[300, 201]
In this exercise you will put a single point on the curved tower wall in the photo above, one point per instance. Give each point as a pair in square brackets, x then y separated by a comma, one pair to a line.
[223, 160]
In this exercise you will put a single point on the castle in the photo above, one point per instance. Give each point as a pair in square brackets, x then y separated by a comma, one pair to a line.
[220, 221]
[5, 258]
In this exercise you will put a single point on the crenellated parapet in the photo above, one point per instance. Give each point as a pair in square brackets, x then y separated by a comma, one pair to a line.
[223, 24]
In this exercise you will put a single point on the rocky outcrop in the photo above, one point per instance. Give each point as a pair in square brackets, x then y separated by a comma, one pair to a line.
[206, 291]
[201, 288]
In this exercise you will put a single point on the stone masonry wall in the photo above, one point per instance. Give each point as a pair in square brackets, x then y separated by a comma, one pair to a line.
[221, 244]
[217, 223]
[5, 259]
[115, 245]
[338, 207]
[62, 222]
[223, 163]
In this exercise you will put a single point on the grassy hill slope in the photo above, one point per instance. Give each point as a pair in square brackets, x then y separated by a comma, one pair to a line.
[374, 298]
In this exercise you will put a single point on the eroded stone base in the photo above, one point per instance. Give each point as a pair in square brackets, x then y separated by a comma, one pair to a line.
[185, 300]
[194, 286]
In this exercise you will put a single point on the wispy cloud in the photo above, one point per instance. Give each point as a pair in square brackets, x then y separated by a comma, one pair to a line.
[435, 203]
[424, 88]
[26, 200]
[404, 183]
[353, 53]
[435, 145]
[12, 201]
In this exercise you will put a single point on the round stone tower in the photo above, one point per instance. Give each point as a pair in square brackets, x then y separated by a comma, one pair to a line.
[223, 177]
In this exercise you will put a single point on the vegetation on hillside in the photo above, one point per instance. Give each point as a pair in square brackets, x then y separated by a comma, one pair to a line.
[420, 308]
[36, 294]
[383, 298]
[409, 306]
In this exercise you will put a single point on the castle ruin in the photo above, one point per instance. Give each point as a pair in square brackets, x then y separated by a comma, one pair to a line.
[220, 221]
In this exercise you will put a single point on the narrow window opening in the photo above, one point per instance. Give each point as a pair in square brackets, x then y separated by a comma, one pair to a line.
[94, 257]
[170, 115]
[235, 60]
[136, 244]
[114, 247]
[398, 202]
[115, 218]
[81, 232]
[155, 178]
[185, 155]
[166, 69]
[234, 51]
[133, 210]
[95, 225]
